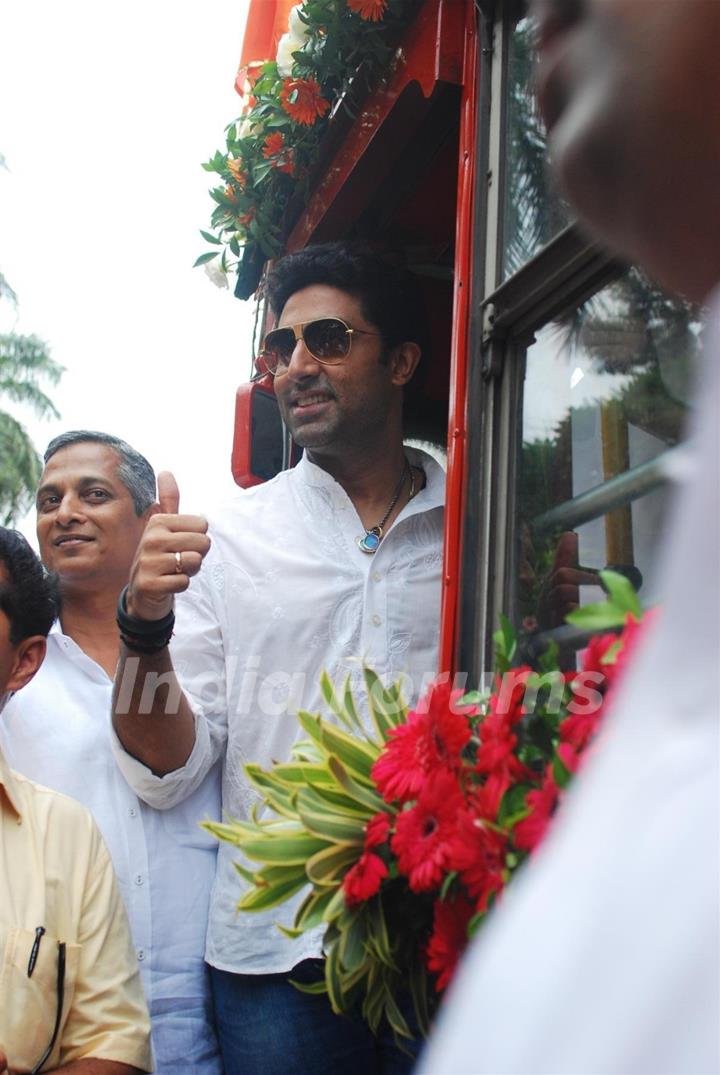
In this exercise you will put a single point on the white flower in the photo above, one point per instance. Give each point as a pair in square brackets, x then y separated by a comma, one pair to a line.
[291, 42]
[216, 273]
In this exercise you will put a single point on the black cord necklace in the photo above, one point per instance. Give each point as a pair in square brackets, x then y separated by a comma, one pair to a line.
[370, 541]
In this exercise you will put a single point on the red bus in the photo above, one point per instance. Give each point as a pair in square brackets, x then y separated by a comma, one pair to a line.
[557, 381]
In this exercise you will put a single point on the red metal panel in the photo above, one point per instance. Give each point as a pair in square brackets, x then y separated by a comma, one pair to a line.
[457, 428]
[432, 52]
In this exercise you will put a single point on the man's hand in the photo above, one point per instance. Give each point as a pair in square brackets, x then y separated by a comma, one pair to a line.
[561, 591]
[170, 552]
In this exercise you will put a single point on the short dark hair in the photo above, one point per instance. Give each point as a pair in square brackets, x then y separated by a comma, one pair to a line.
[133, 470]
[388, 293]
[30, 597]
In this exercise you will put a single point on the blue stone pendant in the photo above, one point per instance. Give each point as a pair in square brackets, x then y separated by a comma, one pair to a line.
[370, 542]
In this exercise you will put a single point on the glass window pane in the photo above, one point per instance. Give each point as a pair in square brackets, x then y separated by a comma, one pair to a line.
[533, 212]
[605, 397]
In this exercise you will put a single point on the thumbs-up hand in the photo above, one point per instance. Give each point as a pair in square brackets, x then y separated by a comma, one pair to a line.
[170, 552]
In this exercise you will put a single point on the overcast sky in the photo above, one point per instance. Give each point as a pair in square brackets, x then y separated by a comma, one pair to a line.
[107, 112]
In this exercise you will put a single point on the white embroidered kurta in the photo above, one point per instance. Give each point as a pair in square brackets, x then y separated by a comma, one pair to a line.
[283, 594]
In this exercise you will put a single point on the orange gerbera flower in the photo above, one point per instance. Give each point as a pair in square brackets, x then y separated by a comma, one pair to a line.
[301, 99]
[236, 170]
[274, 147]
[370, 10]
[231, 194]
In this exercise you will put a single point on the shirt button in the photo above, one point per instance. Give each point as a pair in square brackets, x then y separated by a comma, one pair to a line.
[140, 954]
[376, 620]
[132, 812]
[376, 576]
[138, 878]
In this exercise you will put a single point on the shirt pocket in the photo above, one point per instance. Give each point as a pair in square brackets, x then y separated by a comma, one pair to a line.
[30, 1004]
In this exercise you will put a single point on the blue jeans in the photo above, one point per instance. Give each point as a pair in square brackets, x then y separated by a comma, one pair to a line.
[268, 1027]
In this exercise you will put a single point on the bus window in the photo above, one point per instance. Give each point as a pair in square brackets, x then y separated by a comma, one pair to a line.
[604, 406]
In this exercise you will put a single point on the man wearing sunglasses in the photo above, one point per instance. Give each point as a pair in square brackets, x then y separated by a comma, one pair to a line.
[70, 993]
[334, 562]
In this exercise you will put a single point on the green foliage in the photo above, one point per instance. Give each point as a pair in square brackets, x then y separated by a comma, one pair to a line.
[622, 602]
[24, 364]
[325, 797]
[345, 56]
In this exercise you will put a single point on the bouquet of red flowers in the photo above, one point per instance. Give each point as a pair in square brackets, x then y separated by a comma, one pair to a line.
[404, 837]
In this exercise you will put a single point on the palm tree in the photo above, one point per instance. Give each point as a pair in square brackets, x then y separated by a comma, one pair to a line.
[24, 363]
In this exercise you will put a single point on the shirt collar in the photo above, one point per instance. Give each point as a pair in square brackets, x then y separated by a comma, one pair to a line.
[432, 496]
[8, 786]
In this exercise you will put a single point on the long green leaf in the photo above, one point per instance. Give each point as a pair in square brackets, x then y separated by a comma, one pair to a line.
[327, 867]
[336, 706]
[360, 794]
[332, 826]
[283, 851]
[262, 899]
[356, 756]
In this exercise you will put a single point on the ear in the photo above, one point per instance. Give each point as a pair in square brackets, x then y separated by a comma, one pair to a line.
[403, 362]
[29, 655]
[154, 509]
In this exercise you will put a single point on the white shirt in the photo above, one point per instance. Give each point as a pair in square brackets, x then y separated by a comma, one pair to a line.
[283, 594]
[56, 731]
[605, 956]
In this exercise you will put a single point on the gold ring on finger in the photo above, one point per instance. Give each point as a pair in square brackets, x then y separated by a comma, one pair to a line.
[178, 563]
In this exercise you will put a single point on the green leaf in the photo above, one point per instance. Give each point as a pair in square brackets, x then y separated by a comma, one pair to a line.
[314, 988]
[329, 826]
[561, 773]
[210, 238]
[386, 710]
[418, 991]
[337, 707]
[356, 756]
[205, 258]
[283, 851]
[621, 592]
[394, 1016]
[328, 867]
[600, 617]
[363, 795]
[505, 640]
[352, 951]
[294, 772]
[262, 899]
[312, 910]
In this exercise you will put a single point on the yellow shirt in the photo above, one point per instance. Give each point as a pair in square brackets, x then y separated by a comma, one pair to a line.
[57, 887]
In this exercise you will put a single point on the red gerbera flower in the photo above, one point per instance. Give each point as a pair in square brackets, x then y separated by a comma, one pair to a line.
[377, 830]
[578, 729]
[509, 697]
[542, 802]
[448, 938]
[430, 741]
[302, 100]
[496, 760]
[426, 841]
[481, 861]
[363, 880]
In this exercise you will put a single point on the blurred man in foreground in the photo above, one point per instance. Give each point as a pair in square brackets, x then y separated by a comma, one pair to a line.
[604, 956]
[70, 993]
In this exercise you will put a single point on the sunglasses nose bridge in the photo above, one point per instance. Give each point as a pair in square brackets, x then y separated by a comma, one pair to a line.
[301, 357]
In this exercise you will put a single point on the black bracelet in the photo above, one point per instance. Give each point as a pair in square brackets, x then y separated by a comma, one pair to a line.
[143, 636]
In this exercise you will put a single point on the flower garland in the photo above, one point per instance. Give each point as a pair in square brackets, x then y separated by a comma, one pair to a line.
[271, 148]
[404, 838]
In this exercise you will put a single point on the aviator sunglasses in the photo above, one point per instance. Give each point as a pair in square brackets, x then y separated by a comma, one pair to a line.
[328, 339]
